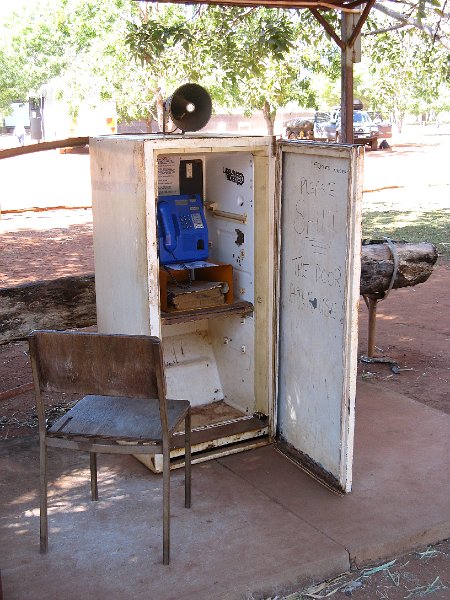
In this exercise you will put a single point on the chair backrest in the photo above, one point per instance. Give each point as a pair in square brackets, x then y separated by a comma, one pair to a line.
[94, 363]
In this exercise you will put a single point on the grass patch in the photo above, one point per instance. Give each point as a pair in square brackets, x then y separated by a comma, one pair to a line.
[410, 226]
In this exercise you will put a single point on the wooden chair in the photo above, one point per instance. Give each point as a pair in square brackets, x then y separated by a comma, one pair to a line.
[124, 376]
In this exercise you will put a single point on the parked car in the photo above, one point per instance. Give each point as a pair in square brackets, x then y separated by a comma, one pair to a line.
[384, 125]
[365, 131]
[324, 127]
[299, 129]
[321, 128]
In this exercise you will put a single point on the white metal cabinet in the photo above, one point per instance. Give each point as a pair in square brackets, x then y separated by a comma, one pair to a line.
[243, 383]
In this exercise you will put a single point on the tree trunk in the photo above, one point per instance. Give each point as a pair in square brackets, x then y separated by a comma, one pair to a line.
[269, 117]
[399, 115]
[160, 108]
[415, 265]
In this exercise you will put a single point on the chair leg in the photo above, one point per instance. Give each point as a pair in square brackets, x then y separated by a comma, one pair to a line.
[187, 460]
[43, 496]
[93, 465]
[166, 503]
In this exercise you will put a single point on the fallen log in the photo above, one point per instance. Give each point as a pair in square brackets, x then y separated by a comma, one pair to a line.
[69, 302]
[389, 265]
[64, 303]
[414, 265]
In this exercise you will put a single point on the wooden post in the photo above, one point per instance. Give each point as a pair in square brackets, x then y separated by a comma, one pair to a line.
[346, 80]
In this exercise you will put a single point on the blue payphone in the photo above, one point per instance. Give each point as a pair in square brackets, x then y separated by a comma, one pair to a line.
[182, 229]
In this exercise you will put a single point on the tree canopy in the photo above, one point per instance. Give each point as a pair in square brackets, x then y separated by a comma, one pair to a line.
[249, 58]
[255, 59]
[406, 67]
[79, 41]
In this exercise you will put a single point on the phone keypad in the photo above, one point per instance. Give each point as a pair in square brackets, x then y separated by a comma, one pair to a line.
[186, 222]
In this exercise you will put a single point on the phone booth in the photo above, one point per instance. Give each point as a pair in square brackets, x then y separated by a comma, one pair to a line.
[243, 255]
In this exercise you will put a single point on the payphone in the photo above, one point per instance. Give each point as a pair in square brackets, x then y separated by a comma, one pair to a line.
[182, 229]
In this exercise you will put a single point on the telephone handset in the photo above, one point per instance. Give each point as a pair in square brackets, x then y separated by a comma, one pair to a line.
[182, 229]
[167, 225]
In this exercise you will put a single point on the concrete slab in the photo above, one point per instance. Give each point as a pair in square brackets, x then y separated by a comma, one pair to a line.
[258, 524]
[233, 541]
[401, 480]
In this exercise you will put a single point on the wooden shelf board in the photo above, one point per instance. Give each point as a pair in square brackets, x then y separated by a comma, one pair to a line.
[182, 316]
[203, 435]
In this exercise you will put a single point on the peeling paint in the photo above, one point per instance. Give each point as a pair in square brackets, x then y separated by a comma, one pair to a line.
[240, 238]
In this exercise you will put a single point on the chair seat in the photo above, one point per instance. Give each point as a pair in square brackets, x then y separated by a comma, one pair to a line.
[118, 418]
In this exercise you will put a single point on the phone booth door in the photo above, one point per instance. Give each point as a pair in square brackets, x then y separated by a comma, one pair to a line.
[318, 302]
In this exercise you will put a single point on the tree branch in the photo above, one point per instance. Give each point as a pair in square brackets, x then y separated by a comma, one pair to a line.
[414, 23]
[386, 29]
[438, 26]
[242, 16]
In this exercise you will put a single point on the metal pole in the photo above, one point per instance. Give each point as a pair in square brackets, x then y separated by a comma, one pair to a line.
[372, 326]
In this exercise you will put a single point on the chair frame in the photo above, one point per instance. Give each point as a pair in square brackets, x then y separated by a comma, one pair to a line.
[119, 365]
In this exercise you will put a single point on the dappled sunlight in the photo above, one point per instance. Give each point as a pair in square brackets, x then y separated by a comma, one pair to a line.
[403, 338]
[291, 409]
[364, 313]
[20, 528]
[427, 198]
[67, 506]
[410, 226]
[25, 498]
[387, 317]
[125, 485]
[407, 218]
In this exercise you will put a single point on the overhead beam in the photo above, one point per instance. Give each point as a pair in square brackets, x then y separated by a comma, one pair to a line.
[317, 4]
[328, 28]
[357, 30]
